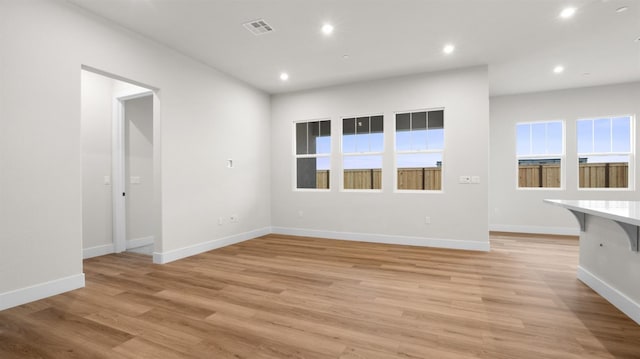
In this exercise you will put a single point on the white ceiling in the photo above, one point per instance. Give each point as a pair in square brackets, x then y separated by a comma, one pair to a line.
[520, 40]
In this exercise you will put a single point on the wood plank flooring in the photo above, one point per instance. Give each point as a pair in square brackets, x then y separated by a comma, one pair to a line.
[292, 297]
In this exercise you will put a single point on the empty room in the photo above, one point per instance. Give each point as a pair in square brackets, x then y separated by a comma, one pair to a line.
[319, 179]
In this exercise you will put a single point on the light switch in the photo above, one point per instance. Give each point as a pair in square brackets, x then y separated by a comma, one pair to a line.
[107, 180]
[135, 180]
[475, 179]
[465, 179]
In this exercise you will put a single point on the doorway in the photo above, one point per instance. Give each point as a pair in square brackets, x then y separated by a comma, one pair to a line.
[120, 202]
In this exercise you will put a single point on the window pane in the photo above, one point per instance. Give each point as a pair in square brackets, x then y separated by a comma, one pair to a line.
[585, 136]
[602, 135]
[419, 139]
[306, 173]
[301, 138]
[523, 139]
[362, 142]
[554, 138]
[436, 119]
[362, 162]
[362, 172]
[377, 124]
[362, 125]
[419, 171]
[313, 130]
[349, 143]
[539, 172]
[621, 133]
[418, 120]
[403, 122]
[349, 126]
[323, 163]
[403, 141]
[538, 138]
[419, 160]
[376, 142]
[325, 128]
[323, 144]
[603, 171]
[435, 139]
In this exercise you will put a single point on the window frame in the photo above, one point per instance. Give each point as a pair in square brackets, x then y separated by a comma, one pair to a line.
[562, 156]
[396, 152]
[356, 154]
[294, 178]
[631, 179]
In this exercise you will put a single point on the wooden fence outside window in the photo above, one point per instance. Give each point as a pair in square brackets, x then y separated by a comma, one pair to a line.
[591, 175]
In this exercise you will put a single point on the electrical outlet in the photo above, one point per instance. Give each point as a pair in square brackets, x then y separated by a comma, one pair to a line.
[234, 218]
[300, 213]
[475, 179]
[220, 221]
[465, 179]
[427, 220]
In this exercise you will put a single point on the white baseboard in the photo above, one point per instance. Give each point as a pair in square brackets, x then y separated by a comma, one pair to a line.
[562, 231]
[98, 251]
[614, 296]
[140, 242]
[388, 239]
[39, 291]
[175, 254]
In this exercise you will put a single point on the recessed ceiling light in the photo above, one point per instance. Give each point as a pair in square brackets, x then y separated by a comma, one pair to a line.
[622, 9]
[327, 29]
[284, 76]
[558, 69]
[567, 12]
[447, 49]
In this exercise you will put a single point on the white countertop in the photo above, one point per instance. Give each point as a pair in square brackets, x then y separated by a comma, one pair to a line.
[621, 211]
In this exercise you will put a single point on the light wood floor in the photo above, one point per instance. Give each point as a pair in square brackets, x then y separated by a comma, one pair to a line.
[289, 297]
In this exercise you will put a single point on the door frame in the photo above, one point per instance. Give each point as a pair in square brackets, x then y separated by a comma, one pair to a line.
[118, 170]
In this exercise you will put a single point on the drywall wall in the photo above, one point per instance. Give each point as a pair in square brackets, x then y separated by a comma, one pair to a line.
[138, 114]
[96, 125]
[205, 116]
[521, 210]
[388, 216]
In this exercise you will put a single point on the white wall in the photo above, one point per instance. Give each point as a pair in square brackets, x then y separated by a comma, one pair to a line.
[96, 119]
[458, 214]
[206, 117]
[523, 210]
[139, 165]
[608, 265]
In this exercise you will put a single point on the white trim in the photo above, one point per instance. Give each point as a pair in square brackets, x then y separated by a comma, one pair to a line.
[98, 251]
[140, 242]
[611, 294]
[562, 231]
[118, 176]
[39, 291]
[175, 254]
[118, 167]
[388, 239]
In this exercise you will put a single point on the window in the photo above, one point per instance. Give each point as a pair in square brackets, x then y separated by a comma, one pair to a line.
[419, 149]
[604, 152]
[313, 153]
[540, 154]
[362, 147]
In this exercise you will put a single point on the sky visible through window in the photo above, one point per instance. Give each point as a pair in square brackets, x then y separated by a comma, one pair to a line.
[599, 140]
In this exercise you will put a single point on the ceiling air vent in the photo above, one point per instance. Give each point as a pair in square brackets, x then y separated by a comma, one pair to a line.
[258, 27]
